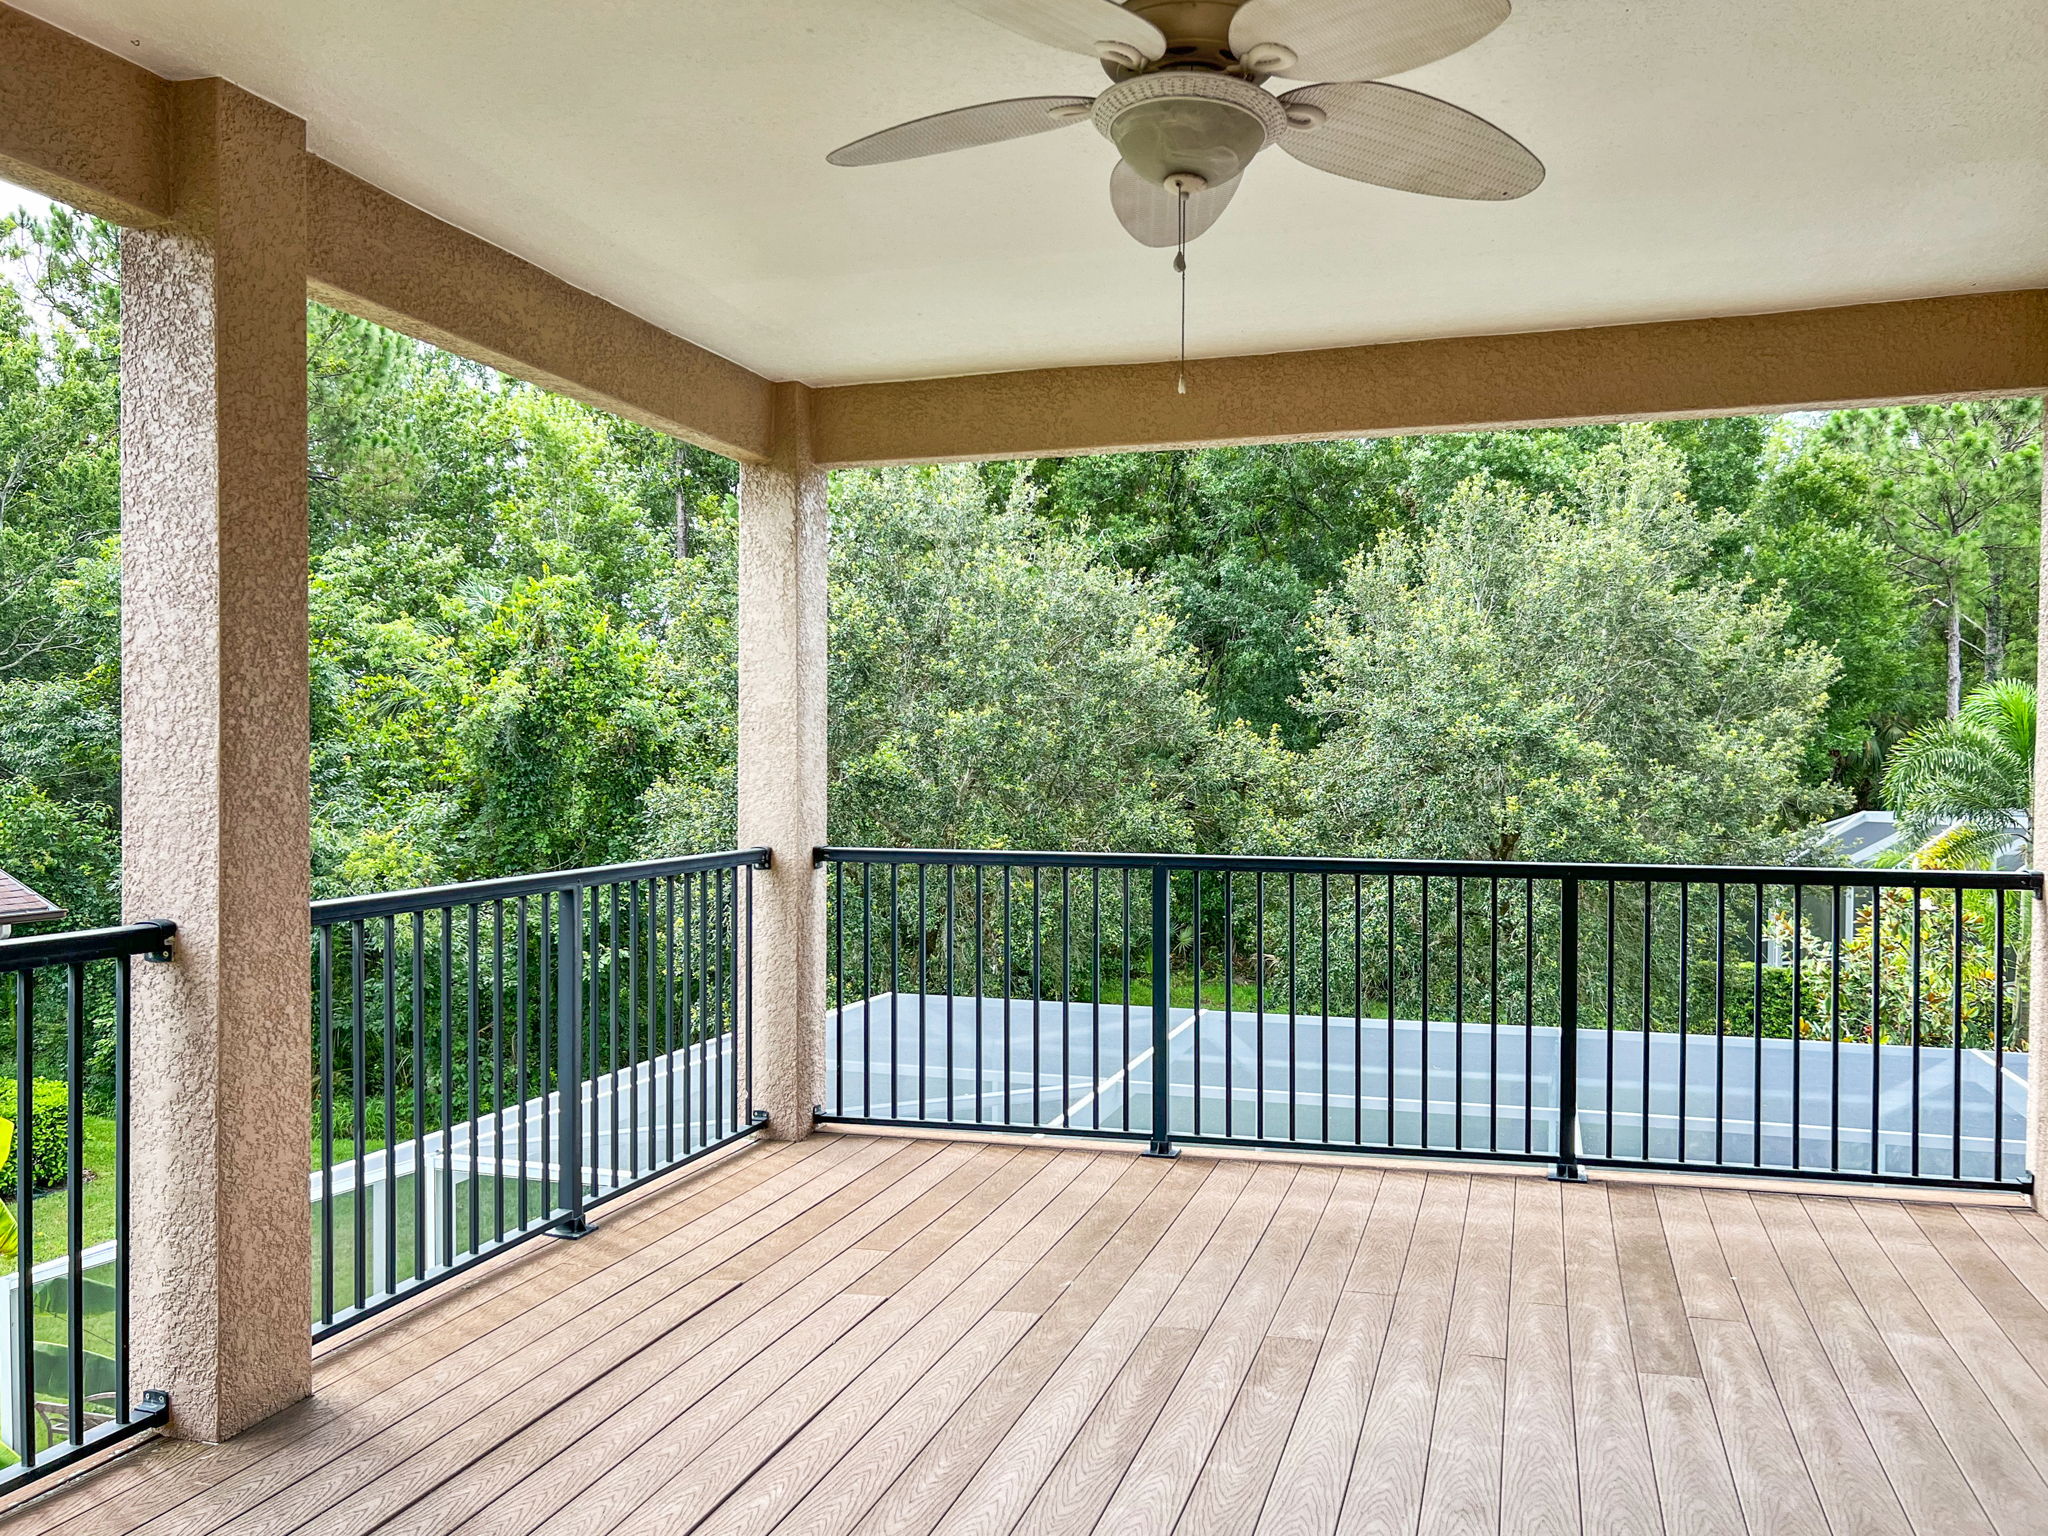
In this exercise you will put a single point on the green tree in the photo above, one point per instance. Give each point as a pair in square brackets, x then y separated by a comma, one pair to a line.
[1976, 769]
[994, 684]
[1958, 488]
[1524, 679]
[1808, 542]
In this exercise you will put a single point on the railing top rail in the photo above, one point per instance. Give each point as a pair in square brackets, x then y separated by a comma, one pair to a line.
[1821, 877]
[341, 909]
[84, 944]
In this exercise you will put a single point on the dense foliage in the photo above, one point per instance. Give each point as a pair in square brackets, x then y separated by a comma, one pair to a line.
[1686, 640]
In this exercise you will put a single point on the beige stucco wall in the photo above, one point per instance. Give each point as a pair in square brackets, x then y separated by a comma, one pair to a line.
[1929, 349]
[782, 665]
[77, 123]
[214, 766]
[389, 262]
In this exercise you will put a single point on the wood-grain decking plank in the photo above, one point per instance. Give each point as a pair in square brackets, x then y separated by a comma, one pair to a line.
[392, 1470]
[487, 1316]
[881, 1334]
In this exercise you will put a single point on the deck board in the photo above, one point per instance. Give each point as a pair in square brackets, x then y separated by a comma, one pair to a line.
[872, 1334]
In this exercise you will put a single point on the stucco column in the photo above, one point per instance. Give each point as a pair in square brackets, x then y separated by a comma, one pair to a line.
[2037, 973]
[214, 764]
[783, 540]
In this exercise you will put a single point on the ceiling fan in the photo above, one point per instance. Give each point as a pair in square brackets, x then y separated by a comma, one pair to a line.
[1187, 111]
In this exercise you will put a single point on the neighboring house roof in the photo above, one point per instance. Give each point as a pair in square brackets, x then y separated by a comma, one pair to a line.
[1864, 838]
[19, 904]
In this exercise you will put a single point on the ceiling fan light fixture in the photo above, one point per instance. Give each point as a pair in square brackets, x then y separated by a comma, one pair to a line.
[1185, 123]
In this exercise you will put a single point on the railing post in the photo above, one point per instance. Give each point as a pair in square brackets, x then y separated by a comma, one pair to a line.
[1567, 1166]
[569, 1068]
[1161, 1144]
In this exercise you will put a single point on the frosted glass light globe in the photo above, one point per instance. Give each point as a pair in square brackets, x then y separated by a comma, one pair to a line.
[1187, 136]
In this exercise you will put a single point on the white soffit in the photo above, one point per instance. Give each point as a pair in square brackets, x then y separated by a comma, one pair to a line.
[1706, 157]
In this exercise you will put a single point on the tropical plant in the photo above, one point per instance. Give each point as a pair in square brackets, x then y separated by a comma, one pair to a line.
[1976, 770]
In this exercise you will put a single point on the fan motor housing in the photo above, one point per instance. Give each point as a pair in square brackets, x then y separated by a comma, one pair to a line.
[1197, 36]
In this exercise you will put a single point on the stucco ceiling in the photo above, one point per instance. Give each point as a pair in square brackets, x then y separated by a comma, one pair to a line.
[1706, 157]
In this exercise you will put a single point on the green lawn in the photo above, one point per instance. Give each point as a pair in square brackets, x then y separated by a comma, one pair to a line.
[51, 1212]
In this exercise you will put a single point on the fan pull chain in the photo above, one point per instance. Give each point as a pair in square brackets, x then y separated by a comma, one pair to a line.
[1180, 265]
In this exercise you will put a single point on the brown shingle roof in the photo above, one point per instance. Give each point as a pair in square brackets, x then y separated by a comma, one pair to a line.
[19, 904]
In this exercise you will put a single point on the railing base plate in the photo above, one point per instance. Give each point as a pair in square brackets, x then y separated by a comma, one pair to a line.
[1167, 1152]
[572, 1227]
[1568, 1173]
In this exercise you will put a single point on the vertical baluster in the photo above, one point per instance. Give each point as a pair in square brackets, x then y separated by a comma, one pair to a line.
[1229, 1004]
[1649, 914]
[980, 986]
[25, 1210]
[1998, 1037]
[1458, 1012]
[1720, 1021]
[1195, 1022]
[1161, 1144]
[1836, 902]
[387, 1062]
[1876, 1028]
[1293, 1020]
[1919, 991]
[1798, 1022]
[693, 1027]
[419, 1121]
[1684, 1020]
[1009, 978]
[1357, 1009]
[123, 1058]
[1607, 1095]
[867, 989]
[1955, 1116]
[359, 1086]
[1392, 987]
[519, 1057]
[324, 1018]
[952, 1082]
[74, 1195]
[1494, 1012]
[838, 989]
[1756, 1027]
[1037, 994]
[1323, 1002]
[1095, 995]
[1124, 1072]
[1423, 1002]
[1567, 1167]
[895, 987]
[923, 990]
[1259, 1005]
[447, 1085]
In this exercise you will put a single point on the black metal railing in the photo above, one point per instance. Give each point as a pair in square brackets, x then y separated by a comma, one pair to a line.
[1822, 1023]
[491, 1060]
[65, 1390]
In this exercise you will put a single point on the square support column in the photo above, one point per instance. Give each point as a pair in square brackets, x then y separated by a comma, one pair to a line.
[782, 705]
[214, 765]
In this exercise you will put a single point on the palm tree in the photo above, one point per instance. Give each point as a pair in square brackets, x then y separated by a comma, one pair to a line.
[1976, 770]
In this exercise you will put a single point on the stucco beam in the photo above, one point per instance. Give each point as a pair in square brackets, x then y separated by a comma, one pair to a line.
[81, 124]
[383, 259]
[1927, 349]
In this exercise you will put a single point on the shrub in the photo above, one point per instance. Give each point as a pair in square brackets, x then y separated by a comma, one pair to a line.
[49, 1100]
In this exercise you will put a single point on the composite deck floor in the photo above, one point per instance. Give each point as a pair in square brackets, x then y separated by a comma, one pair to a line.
[872, 1334]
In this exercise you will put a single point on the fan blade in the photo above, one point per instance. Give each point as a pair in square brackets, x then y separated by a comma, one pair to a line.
[964, 128]
[1152, 213]
[1099, 28]
[1357, 39]
[1408, 141]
